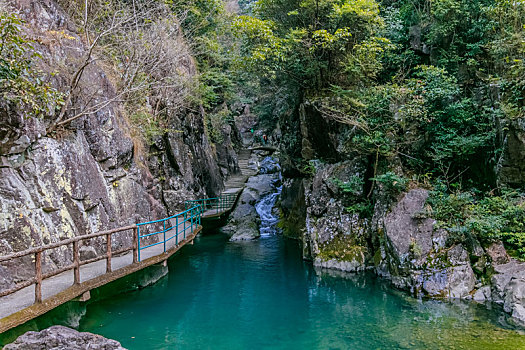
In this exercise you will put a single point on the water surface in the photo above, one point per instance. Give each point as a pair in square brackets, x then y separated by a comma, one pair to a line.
[261, 295]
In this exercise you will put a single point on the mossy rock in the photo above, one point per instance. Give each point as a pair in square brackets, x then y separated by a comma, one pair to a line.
[342, 248]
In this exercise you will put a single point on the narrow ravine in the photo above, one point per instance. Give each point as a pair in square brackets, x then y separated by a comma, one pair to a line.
[260, 295]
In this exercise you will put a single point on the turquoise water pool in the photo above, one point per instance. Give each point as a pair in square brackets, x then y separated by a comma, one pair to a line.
[261, 295]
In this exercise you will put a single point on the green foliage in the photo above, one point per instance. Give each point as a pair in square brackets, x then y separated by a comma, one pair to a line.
[20, 82]
[487, 218]
[393, 183]
[508, 52]
[214, 124]
[355, 201]
[308, 41]
[209, 24]
[309, 168]
[354, 186]
[215, 87]
[425, 119]
[148, 126]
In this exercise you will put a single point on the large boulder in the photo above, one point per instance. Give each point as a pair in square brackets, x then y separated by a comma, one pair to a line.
[508, 289]
[416, 252]
[335, 238]
[62, 338]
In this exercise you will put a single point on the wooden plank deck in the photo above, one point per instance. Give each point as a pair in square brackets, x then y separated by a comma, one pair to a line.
[19, 307]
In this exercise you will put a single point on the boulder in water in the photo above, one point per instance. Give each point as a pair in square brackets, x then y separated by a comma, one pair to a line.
[62, 338]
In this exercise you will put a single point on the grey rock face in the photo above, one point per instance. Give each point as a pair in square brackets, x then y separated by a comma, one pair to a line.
[416, 253]
[514, 302]
[62, 338]
[293, 209]
[87, 252]
[497, 253]
[511, 168]
[508, 289]
[482, 294]
[334, 237]
[409, 238]
[93, 177]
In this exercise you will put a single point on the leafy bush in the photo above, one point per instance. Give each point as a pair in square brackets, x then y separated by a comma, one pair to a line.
[487, 218]
[393, 183]
[20, 82]
[355, 201]
[354, 186]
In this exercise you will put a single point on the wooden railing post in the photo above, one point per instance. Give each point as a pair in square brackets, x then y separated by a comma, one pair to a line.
[76, 263]
[135, 245]
[38, 277]
[108, 251]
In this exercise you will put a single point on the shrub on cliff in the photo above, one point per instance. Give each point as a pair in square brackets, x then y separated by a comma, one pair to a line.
[21, 83]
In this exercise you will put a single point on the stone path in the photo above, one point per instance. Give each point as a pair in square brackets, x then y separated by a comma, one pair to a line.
[235, 184]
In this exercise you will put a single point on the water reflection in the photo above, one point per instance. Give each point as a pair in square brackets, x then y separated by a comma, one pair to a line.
[260, 294]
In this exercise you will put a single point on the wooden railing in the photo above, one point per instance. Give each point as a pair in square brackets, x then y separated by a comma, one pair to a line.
[75, 266]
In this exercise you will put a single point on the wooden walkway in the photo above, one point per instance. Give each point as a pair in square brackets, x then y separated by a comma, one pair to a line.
[47, 290]
[20, 307]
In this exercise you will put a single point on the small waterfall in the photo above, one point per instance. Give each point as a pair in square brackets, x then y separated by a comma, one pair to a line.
[265, 206]
[269, 219]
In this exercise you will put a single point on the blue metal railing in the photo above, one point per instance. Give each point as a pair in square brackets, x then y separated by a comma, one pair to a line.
[146, 231]
[218, 204]
[190, 218]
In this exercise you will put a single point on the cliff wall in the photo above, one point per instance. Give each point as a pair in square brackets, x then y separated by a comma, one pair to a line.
[94, 173]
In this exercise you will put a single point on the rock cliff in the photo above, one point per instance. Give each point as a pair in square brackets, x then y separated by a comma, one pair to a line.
[94, 173]
[351, 225]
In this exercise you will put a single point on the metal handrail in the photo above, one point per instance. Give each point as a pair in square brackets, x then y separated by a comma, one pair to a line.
[191, 215]
[222, 203]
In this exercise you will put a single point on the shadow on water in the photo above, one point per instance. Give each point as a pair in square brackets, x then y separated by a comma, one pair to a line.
[261, 295]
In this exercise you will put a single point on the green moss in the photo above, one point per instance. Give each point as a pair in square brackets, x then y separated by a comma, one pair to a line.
[292, 225]
[377, 258]
[437, 261]
[342, 248]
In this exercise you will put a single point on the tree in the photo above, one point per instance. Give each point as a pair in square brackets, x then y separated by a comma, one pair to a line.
[309, 41]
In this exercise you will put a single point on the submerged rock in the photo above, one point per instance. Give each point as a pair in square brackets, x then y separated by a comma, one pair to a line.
[482, 294]
[354, 265]
[269, 166]
[62, 338]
